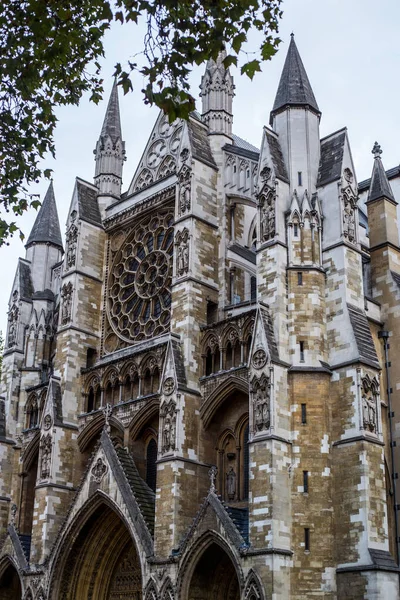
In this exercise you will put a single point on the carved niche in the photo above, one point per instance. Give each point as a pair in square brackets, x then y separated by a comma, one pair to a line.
[168, 426]
[99, 470]
[72, 238]
[13, 321]
[182, 252]
[267, 215]
[66, 307]
[261, 401]
[369, 396]
[252, 590]
[45, 458]
[184, 188]
[349, 218]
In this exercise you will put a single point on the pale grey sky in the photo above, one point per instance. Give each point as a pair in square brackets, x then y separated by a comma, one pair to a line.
[351, 53]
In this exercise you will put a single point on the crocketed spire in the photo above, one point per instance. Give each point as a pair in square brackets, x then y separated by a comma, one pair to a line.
[46, 229]
[294, 87]
[112, 119]
[217, 91]
[380, 186]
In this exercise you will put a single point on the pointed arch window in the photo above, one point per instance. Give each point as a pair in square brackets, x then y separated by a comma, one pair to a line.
[151, 464]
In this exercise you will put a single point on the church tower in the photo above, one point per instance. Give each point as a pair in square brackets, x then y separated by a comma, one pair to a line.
[110, 152]
[217, 91]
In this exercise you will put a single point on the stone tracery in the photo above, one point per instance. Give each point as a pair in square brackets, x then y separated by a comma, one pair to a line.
[261, 399]
[140, 281]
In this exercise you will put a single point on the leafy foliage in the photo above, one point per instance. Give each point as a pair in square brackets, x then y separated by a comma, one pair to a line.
[50, 51]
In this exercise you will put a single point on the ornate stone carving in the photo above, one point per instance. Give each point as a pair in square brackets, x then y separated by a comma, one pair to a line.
[252, 590]
[168, 593]
[47, 422]
[169, 386]
[348, 175]
[265, 174]
[370, 392]
[13, 510]
[66, 307]
[231, 483]
[13, 315]
[261, 397]
[99, 470]
[267, 208]
[349, 222]
[184, 190]
[182, 254]
[259, 359]
[139, 296]
[45, 459]
[168, 416]
[184, 154]
[72, 239]
[212, 473]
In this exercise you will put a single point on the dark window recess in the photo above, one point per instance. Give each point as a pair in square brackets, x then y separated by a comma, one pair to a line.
[91, 357]
[90, 402]
[305, 482]
[253, 288]
[295, 230]
[306, 539]
[246, 463]
[301, 351]
[304, 413]
[300, 178]
[209, 362]
[212, 312]
[300, 278]
[151, 464]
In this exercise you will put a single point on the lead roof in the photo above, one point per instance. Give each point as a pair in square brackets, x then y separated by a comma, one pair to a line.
[46, 228]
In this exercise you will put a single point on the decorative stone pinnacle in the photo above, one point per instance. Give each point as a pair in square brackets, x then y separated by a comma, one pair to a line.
[107, 414]
[212, 473]
[292, 35]
[376, 150]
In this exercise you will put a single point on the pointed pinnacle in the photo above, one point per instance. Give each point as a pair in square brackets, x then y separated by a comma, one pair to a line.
[376, 150]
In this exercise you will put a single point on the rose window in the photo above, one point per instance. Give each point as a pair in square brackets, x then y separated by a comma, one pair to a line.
[140, 280]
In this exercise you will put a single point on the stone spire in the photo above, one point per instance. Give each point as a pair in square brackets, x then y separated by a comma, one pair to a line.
[294, 87]
[217, 91]
[110, 149]
[46, 229]
[380, 186]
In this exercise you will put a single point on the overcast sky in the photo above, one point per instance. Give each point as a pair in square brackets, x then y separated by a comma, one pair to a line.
[351, 53]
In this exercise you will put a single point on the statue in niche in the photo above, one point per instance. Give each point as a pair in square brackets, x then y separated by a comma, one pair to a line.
[46, 457]
[184, 190]
[13, 321]
[231, 483]
[369, 404]
[261, 403]
[72, 237]
[349, 226]
[168, 426]
[182, 241]
[267, 218]
[66, 294]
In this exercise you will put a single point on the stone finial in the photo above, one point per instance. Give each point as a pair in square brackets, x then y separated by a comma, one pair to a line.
[212, 473]
[13, 513]
[107, 414]
[376, 150]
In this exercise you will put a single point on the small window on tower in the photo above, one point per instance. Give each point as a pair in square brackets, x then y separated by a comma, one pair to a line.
[300, 178]
[304, 413]
[234, 168]
[301, 344]
[305, 482]
[306, 539]
[248, 173]
[299, 278]
[295, 230]
[253, 288]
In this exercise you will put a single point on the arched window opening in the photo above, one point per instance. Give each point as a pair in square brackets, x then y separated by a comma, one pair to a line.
[32, 412]
[217, 360]
[214, 576]
[97, 398]
[146, 383]
[236, 360]
[127, 391]
[151, 464]
[229, 356]
[228, 472]
[10, 584]
[155, 384]
[109, 396]
[28, 497]
[209, 362]
[90, 400]
[247, 348]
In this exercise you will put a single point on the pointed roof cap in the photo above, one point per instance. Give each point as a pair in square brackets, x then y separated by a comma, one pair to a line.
[112, 119]
[46, 229]
[294, 87]
[380, 186]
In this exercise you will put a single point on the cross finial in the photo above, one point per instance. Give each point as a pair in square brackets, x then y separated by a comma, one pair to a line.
[213, 475]
[292, 35]
[376, 150]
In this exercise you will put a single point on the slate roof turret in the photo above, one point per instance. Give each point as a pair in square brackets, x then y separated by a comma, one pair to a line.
[380, 186]
[294, 87]
[46, 229]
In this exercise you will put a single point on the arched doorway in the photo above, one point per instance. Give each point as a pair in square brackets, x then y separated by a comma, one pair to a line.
[101, 561]
[214, 576]
[10, 584]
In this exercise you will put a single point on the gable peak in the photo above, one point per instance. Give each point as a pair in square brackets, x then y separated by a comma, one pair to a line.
[46, 228]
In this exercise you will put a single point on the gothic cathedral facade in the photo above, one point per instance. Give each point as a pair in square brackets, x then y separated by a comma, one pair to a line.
[199, 395]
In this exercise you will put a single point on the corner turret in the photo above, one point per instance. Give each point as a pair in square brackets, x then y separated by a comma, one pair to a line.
[217, 91]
